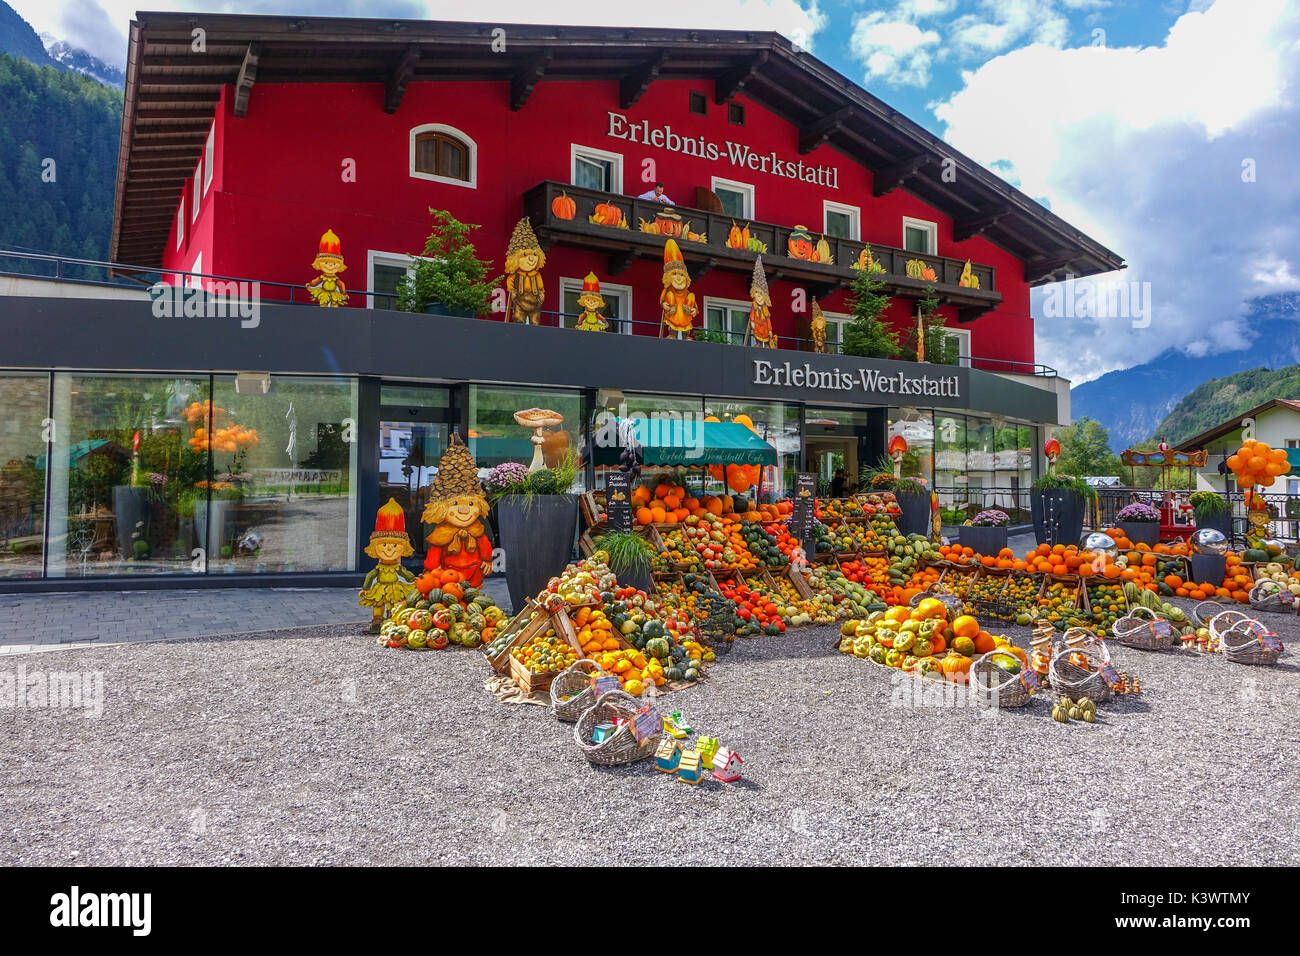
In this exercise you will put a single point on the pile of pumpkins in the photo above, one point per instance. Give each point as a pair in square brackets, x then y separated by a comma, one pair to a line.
[923, 641]
[454, 615]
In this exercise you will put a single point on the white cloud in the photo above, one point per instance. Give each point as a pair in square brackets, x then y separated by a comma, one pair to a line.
[1142, 148]
[100, 26]
[893, 50]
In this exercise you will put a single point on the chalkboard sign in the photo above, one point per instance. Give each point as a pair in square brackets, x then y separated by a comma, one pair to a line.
[801, 518]
[618, 500]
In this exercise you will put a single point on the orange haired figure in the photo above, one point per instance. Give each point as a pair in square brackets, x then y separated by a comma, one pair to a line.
[388, 583]
[327, 288]
[677, 300]
[457, 506]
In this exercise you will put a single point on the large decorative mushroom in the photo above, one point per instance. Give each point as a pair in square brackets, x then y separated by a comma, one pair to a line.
[1052, 449]
[897, 449]
[538, 419]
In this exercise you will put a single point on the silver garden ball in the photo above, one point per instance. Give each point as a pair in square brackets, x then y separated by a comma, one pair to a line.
[1099, 542]
[1210, 541]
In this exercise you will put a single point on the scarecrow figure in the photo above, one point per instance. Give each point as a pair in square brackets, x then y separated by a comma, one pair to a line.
[593, 306]
[677, 301]
[457, 506]
[388, 583]
[759, 331]
[818, 329]
[327, 288]
[524, 262]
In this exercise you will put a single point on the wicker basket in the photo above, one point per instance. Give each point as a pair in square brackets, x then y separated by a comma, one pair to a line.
[1268, 595]
[995, 686]
[621, 746]
[1205, 611]
[1074, 681]
[956, 607]
[1139, 629]
[1241, 639]
[577, 682]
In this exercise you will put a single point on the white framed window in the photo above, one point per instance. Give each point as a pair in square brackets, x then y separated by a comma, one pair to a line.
[384, 270]
[737, 198]
[963, 344]
[835, 324]
[593, 168]
[195, 279]
[728, 317]
[920, 236]
[180, 222]
[209, 157]
[618, 304]
[443, 154]
[841, 221]
[196, 194]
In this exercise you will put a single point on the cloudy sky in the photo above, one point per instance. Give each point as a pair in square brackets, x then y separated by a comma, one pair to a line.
[1169, 130]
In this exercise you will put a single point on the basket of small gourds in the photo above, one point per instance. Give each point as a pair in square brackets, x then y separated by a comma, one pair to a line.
[1076, 667]
[1243, 639]
[1269, 595]
[573, 690]
[1146, 630]
[1003, 683]
[621, 746]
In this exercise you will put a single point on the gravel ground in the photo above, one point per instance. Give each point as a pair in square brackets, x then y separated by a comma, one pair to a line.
[323, 748]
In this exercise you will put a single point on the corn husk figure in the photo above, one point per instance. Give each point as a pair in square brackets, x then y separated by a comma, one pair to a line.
[524, 286]
[593, 306]
[759, 330]
[457, 506]
[388, 583]
[677, 300]
[327, 288]
[818, 323]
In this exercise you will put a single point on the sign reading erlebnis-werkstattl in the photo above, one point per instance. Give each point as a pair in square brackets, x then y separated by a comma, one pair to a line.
[872, 382]
[801, 518]
[618, 500]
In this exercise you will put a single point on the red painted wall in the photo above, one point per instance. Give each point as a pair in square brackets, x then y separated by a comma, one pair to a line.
[279, 184]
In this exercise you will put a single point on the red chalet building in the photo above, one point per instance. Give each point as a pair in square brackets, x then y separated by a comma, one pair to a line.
[246, 138]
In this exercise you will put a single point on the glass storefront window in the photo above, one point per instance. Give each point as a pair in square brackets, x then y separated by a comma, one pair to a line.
[283, 492]
[124, 475]
[24, 397]
[415, 396]
[918, 431]
[980, 452]
[778, 425]
[495, 437]
[950, 458]
[668, 409]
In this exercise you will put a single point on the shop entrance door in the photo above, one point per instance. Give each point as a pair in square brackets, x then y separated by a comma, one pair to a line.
[415, 424]
[829, 454]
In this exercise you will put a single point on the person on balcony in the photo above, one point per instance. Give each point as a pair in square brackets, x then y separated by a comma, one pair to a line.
[657, 195]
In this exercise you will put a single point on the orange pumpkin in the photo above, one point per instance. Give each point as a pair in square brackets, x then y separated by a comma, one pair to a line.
[563, 206]
[607, 214]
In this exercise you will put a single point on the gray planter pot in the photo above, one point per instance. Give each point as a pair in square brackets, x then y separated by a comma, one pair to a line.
[437, 308]
[1058, 516]
[1220, 521]
[642, 578]
[1141, 532]
[130, 518]
[985, 540]
[915, 517]
[1208, 568]
[537, 535]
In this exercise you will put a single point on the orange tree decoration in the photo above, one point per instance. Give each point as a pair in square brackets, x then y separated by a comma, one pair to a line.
[1256, 464]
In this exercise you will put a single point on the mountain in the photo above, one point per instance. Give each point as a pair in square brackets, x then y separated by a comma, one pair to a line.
[58, 160]
[1220, 399]
[72, 58]
[1136, 404]
[19, 39]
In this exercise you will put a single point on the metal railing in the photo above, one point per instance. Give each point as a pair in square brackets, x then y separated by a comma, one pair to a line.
[115, 275]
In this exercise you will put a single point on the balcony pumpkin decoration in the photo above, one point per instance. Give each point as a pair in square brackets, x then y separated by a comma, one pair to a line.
[563, 206]
[677, 301]
[865, 261]
[457, 506]
[524, 287]
[800, 245]
[668, 222]
[607, 214]
[968, 279]
[918, 269]
[388, 583]
[738, 237]
[818, 328]
[759, 331]
[327, 288]
[593, 306]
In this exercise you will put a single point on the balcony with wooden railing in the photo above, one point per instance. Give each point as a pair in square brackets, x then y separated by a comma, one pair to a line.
[626, 228]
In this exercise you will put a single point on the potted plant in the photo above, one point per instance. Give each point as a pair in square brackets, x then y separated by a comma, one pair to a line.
[1057, 504]
[538, 517]
[449, 279]
[986, 533]
[629, 558]
[498, 481]
[1140, 523]
[1212, 510]
[914, 502]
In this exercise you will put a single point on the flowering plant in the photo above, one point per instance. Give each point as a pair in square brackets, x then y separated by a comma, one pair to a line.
[991, 518]
[1138, 512]
[505, 476]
